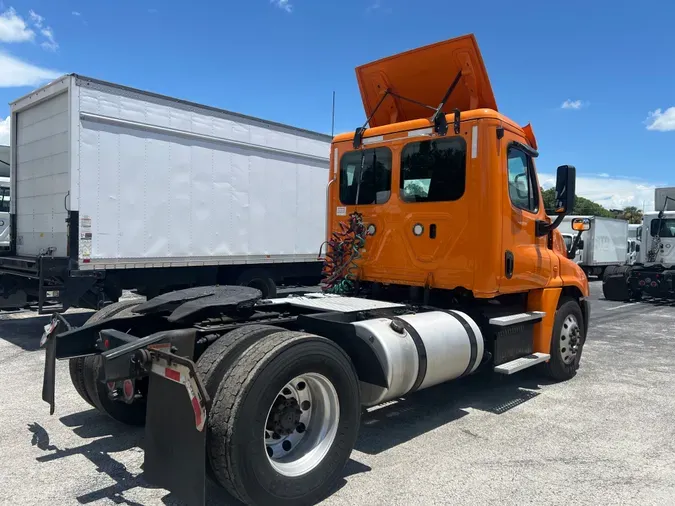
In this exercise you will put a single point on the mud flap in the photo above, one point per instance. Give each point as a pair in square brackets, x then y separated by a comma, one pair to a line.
[175, 427]
[48, 341]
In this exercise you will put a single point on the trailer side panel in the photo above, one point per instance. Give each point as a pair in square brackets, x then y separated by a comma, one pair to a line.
[166, 184]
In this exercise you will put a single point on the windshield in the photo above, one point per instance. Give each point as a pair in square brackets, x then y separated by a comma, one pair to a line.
[666, 230]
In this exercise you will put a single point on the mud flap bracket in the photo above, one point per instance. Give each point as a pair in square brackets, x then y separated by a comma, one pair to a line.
[175, 427]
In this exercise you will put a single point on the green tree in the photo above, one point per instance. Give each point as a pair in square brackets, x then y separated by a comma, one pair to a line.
[631, 214]
[581, 205]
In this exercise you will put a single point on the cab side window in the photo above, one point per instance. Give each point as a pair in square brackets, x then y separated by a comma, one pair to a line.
[522, 190]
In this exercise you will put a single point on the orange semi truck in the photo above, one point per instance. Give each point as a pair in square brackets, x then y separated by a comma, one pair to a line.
[440, 263]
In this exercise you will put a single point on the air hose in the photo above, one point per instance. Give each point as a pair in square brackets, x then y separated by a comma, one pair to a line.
[340, 268]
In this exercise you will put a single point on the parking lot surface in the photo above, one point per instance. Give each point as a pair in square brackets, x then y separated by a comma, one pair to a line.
[605, 437]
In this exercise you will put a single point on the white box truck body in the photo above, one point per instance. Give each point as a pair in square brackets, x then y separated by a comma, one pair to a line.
[109, 178]
[604, 244]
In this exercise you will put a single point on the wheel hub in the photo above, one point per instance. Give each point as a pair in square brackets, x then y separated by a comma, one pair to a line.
[286, 417]
[302, 424]
[570, 339]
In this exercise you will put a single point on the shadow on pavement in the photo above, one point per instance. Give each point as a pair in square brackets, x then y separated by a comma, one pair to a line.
[26, 331]
[397, 422]
[382, 428]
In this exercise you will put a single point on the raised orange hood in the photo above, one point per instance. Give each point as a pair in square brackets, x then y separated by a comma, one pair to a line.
[424, 75]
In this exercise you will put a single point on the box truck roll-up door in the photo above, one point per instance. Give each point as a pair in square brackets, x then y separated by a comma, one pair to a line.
[42, 177]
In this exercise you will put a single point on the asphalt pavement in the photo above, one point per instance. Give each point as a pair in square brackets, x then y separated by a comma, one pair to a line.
[605, 437]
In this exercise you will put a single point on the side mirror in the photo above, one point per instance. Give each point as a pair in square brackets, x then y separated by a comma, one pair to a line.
[581, 224]
[565, 189]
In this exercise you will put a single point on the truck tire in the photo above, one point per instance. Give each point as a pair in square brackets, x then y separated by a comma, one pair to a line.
[219, 357]
[260, 279]
[567, 340]
[76, 365]
[291, 392]
[614, 285]
[609, 270]
[130, 414]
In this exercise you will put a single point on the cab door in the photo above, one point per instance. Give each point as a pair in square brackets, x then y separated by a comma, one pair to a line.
[527, 260]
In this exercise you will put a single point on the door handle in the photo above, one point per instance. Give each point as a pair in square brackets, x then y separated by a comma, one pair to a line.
[508, 264]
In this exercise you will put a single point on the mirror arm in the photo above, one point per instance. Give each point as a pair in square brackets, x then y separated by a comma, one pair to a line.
[575, 245]
[543, 228]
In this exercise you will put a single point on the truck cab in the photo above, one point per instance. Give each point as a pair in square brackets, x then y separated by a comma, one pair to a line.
[658, 237]
[448, 208]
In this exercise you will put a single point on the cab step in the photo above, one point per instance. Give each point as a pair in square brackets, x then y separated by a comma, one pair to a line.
[514, 319]
[522, 363]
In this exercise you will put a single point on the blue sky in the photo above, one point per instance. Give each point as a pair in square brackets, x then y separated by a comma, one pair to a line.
[611, 63]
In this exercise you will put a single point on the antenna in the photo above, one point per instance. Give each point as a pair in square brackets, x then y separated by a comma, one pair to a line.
[332, 120]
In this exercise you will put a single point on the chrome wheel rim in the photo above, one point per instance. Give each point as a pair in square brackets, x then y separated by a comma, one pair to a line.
[570, 339]
[301, 424]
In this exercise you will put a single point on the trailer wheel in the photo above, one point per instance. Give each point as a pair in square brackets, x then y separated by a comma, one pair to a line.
[567, 340]
[260, 279]
[284, 420]
[76, 365]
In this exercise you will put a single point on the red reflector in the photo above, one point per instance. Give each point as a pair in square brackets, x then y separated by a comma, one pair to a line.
[653, 283]
[171, 374]
[128, 389]
[197, 410]
[106, 344]
[86, 260]
[641, 283]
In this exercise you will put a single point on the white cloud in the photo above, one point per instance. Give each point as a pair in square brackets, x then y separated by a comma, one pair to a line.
[283, 4]
[662, 121]
[75, 13]
[4, 131]
[50, 43]
[572, 104]
[36, 18]
[13, 28]
[16, 72]
[611, 192]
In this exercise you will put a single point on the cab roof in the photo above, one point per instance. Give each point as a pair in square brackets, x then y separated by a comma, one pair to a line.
[423, 75]
[417, 124]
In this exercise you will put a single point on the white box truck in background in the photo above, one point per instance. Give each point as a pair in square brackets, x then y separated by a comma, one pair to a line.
[115, 188]
[653, 274]
[603, 245]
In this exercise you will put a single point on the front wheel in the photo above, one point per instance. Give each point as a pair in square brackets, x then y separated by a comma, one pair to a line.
[284, 420]
[567, 341]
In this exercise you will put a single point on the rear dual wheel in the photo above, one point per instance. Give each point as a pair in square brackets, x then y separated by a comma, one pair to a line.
[84, 375]
[284, 420]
